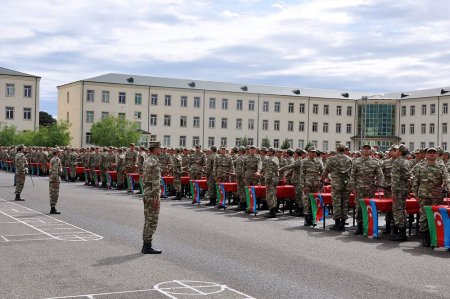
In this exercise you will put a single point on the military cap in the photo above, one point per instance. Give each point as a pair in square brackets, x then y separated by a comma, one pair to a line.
[56, 150]
[154, 144]
[20, 146]
[251, 146]
[264, 149]
[416, 151]
[141, 147]
[423, 150]
[92, 147]
[223, 147]
[402, 148]
[431, 149]
[394, 147]
[367, 146]
[279, 149]
[213, 148]
[340, 147]
[132, 144]
[198, 145]
[299, 151]
[440, 150]
[271, 149]
[242, 148]
[312, 149]
[235, 148]
[289, 151]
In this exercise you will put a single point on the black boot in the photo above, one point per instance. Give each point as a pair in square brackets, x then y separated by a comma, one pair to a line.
[212, 202]
[387, 231]
[359, 230]
[272, 213]
[426, 239]
[54, 211]
[401, 236]
[147, 248]
[342, 225]
[18, 198]
[308, 220]
[177, 196]
[337, 225]
[298, 212]
[241, 207]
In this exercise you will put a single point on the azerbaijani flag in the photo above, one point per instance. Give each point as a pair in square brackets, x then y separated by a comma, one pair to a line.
[317, 207]
[250, 197]
[195, 191]
[221, 195]
[370, 217]
[438, 225]
[163, 188]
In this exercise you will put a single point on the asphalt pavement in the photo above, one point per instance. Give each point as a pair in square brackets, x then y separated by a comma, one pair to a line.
[92, 250]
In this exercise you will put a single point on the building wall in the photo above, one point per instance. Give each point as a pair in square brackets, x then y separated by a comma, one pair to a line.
[20, 102]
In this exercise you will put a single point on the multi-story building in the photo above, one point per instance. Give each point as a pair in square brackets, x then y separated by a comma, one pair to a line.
[186, 112]
[19, 99]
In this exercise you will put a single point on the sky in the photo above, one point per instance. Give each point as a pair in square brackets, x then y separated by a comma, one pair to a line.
[356, 45]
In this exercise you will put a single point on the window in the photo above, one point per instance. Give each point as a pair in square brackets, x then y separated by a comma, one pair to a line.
[314, 127]
[301, 126]
[423, 129]
[153, 119]
[212, 122]
[403, 130]
[68, 97]
[251, 124]
[411, 146]
[338, 128]
[403, 110]
[223, 141]
[432, 108]
[183, 101]
[444, 128]
[105, 96]
[154, 100]
[326, 109]
[9, 90]
[166, 140]
[196, 122]
[122, 98]
[444, 146]
[291, 108]
[88, 137]
[325, 127]
[431, 144]
[183, 121]
[210, 141]
[153, 137]
[182, 141]
[291, 143]
[89, 116]
[105, 114]
[265, 106]
[137, 114]
[251, 105]
[424, 109]
[301, 143]
[196, 102]
[338, 110]
[225, 104]
[276, 125]
[195, 140]
[315, 109]
[445, 108]
[422, 145]
[167, 100]
[276, 143]
[349, 111]
[277, 107]
[250, 141]
[238, 123]
[67, 116]
[325, 145]
[412, 110]
[224, 123]
[314, 143]
[167, 120]
[90, 95]
[411, 129]
[265, 125]
[302, 109]
[27, 91]
[237, 142]
[27, 113]
[349, 144]
[212, 103]
[239, 105]
[431, 128]
[122, 115]
[138, 98]
[290, 126]
[349, 128]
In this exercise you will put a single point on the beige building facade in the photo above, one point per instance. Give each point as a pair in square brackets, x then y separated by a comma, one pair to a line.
[182, 113]
[19, 99]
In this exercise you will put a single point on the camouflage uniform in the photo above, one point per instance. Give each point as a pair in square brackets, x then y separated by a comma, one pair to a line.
[401, 176]
[177, 171]
[198, 162]
[210, 176]
[271, 179]
[310, 173]
[223, 168]
[120, 168]
[240, 174]
[73, 156]
[54, 179]
[295, 179]
[152, 192]
[252, 165]
[21, 165]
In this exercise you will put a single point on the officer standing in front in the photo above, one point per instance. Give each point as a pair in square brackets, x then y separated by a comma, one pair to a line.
[54, 179]
[21, 165]
[152, 192]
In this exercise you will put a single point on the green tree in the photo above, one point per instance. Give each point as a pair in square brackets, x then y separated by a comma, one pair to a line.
[115, 131]
[8, 134]
[46, 119]
[265, 142]
[244, 141]
[285, 144]
[51, 135]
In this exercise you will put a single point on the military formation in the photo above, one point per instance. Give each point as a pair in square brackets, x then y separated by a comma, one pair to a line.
[398, 173]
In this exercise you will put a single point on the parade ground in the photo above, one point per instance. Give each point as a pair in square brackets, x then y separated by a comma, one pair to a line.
[92, 250]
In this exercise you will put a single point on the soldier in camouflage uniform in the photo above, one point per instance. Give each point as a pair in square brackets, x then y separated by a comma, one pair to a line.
[339, 167]
[386, 167]
[365, 177]
[131, 157]
[152, 192]
[197, 163]
[294, 170]
[21, 165]
[428, 183]
[120, 168]
[310, 173]
[239, 166]
[166, 163]
[252, 171]
[210, 176]
[177, 166]
[223, 166]
[54, 179]
[93, 165]
[73, 157]
[263, 155]
[400, 179]
[271, 176]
